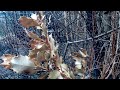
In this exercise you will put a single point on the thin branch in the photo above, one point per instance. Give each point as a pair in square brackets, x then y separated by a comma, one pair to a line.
[116, 29]
[65, 50]
[114, 56]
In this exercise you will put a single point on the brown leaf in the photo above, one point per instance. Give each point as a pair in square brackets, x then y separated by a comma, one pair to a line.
[79, 55]
[72, 75]
[84, 63]
[7, 56]
[6, 60]
[33, 54]
[28, 22]
[36, 62]
[21, 64]
[53, 47]
[36, 44]
[41, 56]
[58, 61]
[45, 47]
[76, 54]
[80, 62]
[32, 35]
[47, 55]
[54, 74]
[46, 65]
[83, 52]
[61, 59]
[18, 64]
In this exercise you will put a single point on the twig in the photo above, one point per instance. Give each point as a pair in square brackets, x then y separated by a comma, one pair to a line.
[114, 56]
[116, 29]
[101, 51]
[65, 50]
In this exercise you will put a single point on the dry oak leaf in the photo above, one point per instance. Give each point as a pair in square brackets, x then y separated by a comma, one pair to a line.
[72, 74]
[78, 64]
[79, 60]
[6, 60]
[34, 16]
[33, 53]
[38, 19]
[55, 75]
[20, 64]
[65, 71]
[41, 56]
[59, 61]
[83, 52]
[53, 47]
[28, 22]
[45, 47]
[47, 55]
[63, 68]
[36, 44]
[33, 35]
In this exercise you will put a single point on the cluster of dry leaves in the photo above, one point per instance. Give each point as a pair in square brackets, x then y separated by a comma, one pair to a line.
[44, 54]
